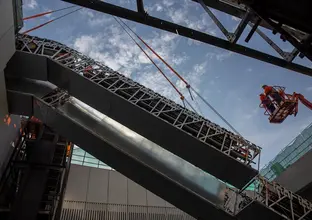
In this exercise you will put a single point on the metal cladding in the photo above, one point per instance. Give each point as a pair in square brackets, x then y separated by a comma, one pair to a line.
[269, 200]
[132, 155]
[174, 128]
[143, 162]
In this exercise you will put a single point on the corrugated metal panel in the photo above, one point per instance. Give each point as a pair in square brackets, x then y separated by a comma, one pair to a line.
[75, 210]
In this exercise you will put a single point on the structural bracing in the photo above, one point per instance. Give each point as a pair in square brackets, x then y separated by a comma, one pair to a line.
[250, 13]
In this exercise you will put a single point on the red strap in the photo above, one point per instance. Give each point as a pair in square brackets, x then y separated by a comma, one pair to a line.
[178, 75]
[41, 25]
[37, 27]
[38, 15]
[48, 12]
[181, 96]
[163, 60]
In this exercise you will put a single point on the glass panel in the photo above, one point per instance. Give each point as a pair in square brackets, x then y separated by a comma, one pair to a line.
[90, 164]
[290, 154]
[83, 158]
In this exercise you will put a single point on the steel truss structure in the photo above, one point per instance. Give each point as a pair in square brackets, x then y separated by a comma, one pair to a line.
[277, 201]
[250, 17]
[164, 109]
[268, 200]
[277, 198]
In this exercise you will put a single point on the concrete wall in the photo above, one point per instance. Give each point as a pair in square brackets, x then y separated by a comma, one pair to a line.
[107, 186]
[94, 193]
[298, 176]
[7, 48]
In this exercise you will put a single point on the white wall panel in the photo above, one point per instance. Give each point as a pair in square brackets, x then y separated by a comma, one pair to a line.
[77, 185]
[108, 186]
[117, 192]
[98, 185]
[136, 194]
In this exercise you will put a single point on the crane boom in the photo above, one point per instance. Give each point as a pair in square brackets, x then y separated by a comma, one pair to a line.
[304, 101]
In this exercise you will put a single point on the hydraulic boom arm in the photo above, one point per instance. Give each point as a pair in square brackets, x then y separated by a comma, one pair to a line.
[304, 101]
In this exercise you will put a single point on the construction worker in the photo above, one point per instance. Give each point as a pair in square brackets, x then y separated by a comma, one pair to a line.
[270, 91]
[267, 103]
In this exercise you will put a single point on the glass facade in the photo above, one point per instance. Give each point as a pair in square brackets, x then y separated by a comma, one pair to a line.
[290, 154]
[81, 157]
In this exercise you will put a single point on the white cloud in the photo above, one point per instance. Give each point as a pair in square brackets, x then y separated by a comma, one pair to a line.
[223, 56]
[168, 3]
[309, 89]
[30, 4]
[219, 56]
[95, 19]
[235, 18]
[156, 7]
[114, 48]
[194, 77]
[156, 82]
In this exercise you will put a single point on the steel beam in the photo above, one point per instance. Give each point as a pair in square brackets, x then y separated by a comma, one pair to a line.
[216, 20]
[241, 27]
[140, 6]
[73, 123]
[304, 49]
[253, 30]
[189, 33]
[158, 128]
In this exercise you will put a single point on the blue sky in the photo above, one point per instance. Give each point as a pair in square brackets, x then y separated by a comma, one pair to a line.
[229, 81]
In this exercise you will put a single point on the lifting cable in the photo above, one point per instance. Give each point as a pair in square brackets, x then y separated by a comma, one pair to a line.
[46, 13]
[215, 111]
[164, 75]
[48, 22]
[159, 57]
[187, 84]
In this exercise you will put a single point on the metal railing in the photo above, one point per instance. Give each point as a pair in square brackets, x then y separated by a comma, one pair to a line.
[79, 210]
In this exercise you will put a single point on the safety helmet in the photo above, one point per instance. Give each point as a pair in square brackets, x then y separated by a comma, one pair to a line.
[263, 86]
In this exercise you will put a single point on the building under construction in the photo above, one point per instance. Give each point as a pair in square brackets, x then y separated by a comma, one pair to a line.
[124, 168]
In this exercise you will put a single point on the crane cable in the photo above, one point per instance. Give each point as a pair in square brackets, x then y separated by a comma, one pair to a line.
[164, 75]
[159, 57]
[191, 88]
[46, 13]
[48, 22]
[177, 74]
[187, 84]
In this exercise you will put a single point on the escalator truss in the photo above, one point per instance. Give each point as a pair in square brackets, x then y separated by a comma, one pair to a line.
[166, 110]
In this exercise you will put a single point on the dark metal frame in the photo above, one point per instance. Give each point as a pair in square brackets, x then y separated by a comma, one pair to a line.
[139, 101]
[230, 44]
[58, 169]
[146, 99]
[267, 198]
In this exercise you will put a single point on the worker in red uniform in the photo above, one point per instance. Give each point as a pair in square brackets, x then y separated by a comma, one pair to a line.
[267, 103]
[270, 91]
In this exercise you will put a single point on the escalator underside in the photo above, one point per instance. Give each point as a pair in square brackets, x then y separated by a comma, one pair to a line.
[158, 119]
